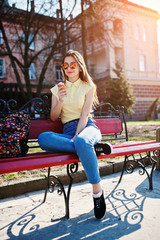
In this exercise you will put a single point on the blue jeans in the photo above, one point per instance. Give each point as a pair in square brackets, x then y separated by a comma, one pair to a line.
[83, 145]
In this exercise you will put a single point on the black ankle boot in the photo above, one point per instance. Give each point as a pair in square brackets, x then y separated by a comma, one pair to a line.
[99, 207]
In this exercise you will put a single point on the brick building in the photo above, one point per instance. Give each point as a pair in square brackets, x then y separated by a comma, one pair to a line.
[41, 57]
[130, 38]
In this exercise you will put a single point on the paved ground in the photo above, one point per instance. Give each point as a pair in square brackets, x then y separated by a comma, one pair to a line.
[133, 212]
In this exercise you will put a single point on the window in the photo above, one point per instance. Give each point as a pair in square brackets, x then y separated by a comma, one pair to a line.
[142, 63]
[30, 40]
[73, 46]
[117, 26]
[59, 47]
[2, 68]
[1, 37]
[118, 56]
[58, 73]
[136, 32]
[94, 32]
[32, 75]
[144, 34]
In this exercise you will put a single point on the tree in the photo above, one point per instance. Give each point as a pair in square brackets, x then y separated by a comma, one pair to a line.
[50, 24]
[151, 109]
[119, 90]
[20, 29]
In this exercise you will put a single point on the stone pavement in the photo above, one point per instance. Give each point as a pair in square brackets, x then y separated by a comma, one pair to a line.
[133, 212]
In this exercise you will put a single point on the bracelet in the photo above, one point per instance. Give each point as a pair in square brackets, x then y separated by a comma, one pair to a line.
[76, 134]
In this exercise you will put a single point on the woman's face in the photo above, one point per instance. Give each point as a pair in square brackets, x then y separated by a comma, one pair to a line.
[71, 68]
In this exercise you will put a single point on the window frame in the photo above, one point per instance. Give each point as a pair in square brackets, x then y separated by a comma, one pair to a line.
[117, 26]
[136, 32]
[1, 37]
[142, 63]
[32, 72]
[58, 73]
[144, 34]
[30, 38]
[3, 69]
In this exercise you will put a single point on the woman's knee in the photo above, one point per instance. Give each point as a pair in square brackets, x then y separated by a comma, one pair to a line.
[43, 138]
[81, 143]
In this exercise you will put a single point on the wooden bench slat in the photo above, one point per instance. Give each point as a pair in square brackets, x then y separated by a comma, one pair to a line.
[133, 143]
[41, 160]
[134, 149]
[31, 162]
[107, 126]
[39, 126]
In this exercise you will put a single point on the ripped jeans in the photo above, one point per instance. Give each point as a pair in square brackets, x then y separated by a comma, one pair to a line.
[83, 145]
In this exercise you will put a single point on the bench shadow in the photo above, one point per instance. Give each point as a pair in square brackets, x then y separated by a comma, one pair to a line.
[124, 216]
[144, 190]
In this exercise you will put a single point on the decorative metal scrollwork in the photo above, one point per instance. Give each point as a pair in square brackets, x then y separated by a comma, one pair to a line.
[156, 153]
[11, 105]
[72, 168]
[135, 161]
[36, 107]
[7, 106]
[2, 105]
[55, 182]
[106, 109]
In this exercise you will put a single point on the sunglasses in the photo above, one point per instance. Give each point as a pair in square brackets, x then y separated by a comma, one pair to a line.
[72, 65]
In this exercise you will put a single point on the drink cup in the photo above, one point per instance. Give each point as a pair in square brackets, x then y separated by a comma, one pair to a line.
[61, 85]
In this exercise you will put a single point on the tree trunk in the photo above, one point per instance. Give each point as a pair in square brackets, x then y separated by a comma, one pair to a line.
[83, 33]
[12, 61]
[62, 30]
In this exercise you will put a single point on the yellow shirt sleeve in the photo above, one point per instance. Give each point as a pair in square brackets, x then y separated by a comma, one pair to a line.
[54, 90]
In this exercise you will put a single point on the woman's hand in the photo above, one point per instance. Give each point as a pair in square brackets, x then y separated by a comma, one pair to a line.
[62, 91]
[56, 103]
[73, 139]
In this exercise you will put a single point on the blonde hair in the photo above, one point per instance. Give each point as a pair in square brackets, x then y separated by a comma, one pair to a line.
[84, 75]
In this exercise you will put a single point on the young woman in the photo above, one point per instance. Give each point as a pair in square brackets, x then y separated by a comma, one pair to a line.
[73, 101]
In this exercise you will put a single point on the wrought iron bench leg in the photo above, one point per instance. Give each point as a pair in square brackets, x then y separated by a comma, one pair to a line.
[123, 169]
[132, 162]
[54, 181]
[150, 176]
[47, 184]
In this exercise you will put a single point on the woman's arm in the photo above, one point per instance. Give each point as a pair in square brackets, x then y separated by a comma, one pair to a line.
[56, 105]
[85, 111]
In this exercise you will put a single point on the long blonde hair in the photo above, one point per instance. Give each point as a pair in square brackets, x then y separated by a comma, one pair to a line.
[84, 75]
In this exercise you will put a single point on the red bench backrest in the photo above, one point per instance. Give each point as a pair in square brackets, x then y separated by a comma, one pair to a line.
[106, 125]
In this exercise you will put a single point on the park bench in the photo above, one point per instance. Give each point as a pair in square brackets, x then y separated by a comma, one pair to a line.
[112, 123]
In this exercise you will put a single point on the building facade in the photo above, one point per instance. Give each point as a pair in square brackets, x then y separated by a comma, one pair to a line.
[130, 38]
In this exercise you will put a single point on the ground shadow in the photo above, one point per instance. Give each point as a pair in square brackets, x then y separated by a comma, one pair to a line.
[124, 216]
[144, 190]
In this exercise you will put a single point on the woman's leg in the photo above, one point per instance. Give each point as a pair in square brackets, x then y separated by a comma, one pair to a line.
[84, 145]
[56, 142]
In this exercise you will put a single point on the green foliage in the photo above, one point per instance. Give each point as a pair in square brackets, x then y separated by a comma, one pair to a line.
[151, 109]
[120, 91]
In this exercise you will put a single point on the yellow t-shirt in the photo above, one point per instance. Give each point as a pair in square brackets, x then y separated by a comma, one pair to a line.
[73, 103]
